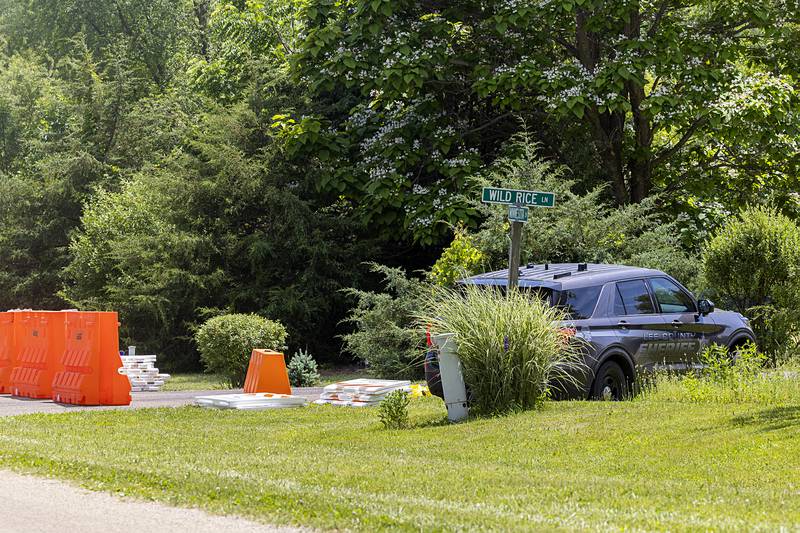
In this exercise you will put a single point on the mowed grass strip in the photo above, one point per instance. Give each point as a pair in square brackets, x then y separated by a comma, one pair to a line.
[574, 465]
[197, 381]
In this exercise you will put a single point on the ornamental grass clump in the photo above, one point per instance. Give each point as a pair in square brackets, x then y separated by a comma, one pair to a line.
[511, 346]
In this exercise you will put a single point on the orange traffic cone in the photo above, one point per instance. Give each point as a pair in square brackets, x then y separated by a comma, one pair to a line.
[267, 373]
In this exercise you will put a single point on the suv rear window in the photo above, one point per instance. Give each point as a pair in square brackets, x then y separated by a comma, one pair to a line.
[577, 303]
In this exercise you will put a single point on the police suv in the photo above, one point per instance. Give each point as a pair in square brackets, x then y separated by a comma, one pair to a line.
[631, 319]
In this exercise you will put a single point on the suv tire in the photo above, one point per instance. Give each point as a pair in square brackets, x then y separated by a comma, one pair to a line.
[610, 383]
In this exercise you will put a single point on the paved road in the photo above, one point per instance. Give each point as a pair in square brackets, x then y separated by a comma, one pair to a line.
[36, 505]
[10, 406]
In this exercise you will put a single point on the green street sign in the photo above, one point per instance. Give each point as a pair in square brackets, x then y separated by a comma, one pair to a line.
[517, 214]
[493, 195]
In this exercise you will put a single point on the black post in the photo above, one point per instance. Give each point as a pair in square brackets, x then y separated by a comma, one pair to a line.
[513, 254]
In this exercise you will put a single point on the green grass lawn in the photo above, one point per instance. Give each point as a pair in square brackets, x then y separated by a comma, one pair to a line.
[575, 465]
[332, 375]
[188, 382]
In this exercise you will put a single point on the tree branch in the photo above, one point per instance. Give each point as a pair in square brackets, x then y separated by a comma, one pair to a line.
[492, 122]
[666, 154]
[569, 47]
[662, 9]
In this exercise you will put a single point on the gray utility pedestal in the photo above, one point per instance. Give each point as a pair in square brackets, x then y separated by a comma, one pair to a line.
[455, 392]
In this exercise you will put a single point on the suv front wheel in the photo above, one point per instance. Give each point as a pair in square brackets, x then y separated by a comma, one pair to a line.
[610, 383]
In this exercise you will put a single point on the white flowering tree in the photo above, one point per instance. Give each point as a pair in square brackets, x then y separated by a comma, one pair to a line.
[669, 94]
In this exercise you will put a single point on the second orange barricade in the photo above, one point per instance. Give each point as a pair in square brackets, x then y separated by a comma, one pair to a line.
[39, 341]
[267, 373]
[91, 362]
[7, 355]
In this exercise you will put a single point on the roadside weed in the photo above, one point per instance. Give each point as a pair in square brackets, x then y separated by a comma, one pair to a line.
[393, 410]
[738, 377]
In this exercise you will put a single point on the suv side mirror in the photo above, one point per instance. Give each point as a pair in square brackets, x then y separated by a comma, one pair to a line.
[705, 306]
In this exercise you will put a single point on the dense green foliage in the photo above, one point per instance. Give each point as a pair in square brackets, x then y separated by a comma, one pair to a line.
[753, 257]
[215, 226]
[691, 97]
[753, 264]
[581, 227]
[226, 343]
[509, 345]
[462, 258]
[173, 160]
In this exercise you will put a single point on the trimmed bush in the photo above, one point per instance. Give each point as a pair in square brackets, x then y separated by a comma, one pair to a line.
[303, 371]
[751, 264]
[226, 342]
[510, 346]
[752, 257]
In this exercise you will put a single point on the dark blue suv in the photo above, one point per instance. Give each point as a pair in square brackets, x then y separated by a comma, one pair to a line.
[632, 320]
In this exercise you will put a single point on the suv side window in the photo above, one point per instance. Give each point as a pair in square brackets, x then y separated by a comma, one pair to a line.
[632, 298]
[670, 297]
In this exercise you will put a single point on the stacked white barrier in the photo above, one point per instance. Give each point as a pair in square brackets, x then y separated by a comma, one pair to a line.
[142, 373]
[251, 401]
[361, 392]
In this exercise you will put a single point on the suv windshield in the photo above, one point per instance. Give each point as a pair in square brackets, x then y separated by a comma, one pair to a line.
[579, 303]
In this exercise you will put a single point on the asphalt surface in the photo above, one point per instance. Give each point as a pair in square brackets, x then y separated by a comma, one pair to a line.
[10, 406]
[34, 505]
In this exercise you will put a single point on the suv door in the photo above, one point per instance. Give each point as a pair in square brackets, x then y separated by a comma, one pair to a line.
[688, 330]
[638, 325]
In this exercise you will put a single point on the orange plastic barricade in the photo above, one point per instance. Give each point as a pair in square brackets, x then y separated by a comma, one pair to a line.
[267, 373]
[7, 355]
[39, 341]
[91, 362]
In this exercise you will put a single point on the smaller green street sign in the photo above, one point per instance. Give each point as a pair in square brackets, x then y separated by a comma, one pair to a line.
[493, 195]
[518, 214]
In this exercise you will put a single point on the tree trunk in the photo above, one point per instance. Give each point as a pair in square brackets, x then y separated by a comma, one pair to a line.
[607, 128]
[640, 164]
[201, 8]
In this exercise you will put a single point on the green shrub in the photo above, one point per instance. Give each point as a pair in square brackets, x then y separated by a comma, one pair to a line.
[458, 260]
[510, 346]
[385, 337]
[226, 342]
[393, 410]
[750, 259]
[303, 370]
[751, 264]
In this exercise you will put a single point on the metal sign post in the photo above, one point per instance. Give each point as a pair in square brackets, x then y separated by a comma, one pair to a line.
[517, 215]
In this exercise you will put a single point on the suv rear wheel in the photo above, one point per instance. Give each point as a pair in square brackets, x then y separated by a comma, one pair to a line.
[610, 383]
